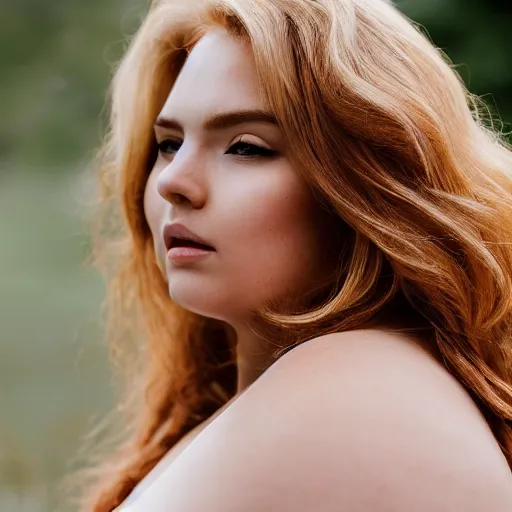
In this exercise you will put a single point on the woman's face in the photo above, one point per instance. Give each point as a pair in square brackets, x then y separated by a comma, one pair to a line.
[231, 182]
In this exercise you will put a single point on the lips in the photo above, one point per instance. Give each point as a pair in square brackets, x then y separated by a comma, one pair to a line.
[182, 242]
[178, 235]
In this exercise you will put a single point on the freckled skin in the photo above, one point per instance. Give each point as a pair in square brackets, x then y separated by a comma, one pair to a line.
[269, 232]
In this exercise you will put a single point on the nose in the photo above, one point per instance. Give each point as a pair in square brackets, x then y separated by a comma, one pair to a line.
[181, 182]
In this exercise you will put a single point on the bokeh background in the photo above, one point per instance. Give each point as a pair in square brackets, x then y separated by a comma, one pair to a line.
[56, 59]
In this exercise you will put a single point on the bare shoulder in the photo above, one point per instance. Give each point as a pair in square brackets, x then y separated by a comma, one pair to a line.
[366, 419]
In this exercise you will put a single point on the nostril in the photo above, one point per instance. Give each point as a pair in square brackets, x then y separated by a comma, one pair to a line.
[177, 199]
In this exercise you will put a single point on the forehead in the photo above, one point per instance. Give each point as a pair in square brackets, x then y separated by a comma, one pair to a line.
[218, 75]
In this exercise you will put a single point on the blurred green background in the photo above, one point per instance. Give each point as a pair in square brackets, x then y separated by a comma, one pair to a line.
[56, 59]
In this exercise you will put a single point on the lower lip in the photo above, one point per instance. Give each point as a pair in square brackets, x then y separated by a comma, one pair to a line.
[185, 254]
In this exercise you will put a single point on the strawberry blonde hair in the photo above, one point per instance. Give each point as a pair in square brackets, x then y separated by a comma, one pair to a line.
[392, 144]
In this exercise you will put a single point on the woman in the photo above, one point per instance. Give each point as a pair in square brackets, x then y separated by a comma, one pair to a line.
[306, 175]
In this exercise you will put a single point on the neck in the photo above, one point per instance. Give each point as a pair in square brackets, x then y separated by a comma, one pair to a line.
[254, 354]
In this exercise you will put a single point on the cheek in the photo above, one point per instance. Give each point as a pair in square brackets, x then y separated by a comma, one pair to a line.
[275, 233]
[154, 206]
[281, 214]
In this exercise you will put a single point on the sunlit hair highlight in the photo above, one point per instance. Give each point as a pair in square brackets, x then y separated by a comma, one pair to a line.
[392, 144]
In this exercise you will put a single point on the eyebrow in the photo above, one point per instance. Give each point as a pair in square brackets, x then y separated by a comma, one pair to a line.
[223, 120]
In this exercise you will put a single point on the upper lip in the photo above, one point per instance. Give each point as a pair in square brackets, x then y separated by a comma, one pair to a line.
[176, 230]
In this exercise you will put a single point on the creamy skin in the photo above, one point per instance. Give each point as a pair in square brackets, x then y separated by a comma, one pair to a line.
[235, 187]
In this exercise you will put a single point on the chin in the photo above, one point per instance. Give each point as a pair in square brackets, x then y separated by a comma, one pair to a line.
[210, 303]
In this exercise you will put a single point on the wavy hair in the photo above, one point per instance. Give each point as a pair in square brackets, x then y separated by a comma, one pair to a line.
[391, 142]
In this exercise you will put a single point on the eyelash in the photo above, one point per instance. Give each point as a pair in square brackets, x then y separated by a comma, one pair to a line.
[256, 151]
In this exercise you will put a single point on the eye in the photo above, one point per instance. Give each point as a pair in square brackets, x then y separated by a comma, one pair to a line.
[169, 146]
[246, 150]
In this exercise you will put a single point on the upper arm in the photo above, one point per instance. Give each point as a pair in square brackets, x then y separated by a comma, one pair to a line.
[342, 424]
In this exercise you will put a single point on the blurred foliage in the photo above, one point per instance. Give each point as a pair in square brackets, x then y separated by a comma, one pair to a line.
[475, 36]
[57, 56]
[56, 61]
